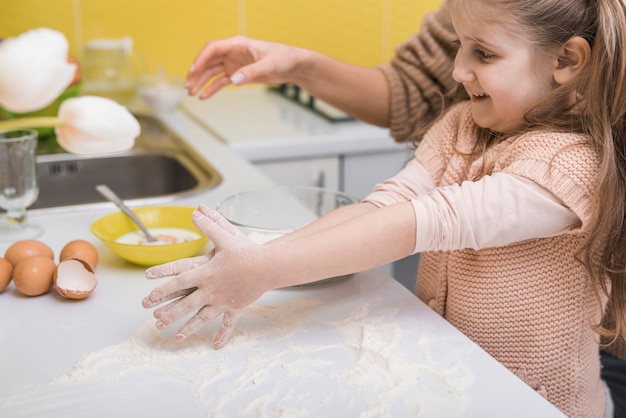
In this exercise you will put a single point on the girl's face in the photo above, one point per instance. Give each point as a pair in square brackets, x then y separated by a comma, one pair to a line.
[503, 73]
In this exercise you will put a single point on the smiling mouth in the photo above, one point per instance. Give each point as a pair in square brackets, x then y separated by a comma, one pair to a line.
[477, 97]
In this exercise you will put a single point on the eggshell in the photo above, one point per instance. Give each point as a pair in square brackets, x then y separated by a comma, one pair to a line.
[25, 249]
[33, 276]
[6, 272]
[74, 278]
[82, 250]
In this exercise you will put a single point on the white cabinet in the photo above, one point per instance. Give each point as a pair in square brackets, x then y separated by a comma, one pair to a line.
[361, 172]
[354, 174]
[314, 172]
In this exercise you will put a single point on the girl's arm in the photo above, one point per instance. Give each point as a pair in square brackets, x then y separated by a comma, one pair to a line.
[496, 210]
[239, 272]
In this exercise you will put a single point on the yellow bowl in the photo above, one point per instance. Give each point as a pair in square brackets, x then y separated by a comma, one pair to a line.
[110, 227]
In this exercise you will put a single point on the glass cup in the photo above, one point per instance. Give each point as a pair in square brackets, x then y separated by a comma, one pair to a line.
[18, 183]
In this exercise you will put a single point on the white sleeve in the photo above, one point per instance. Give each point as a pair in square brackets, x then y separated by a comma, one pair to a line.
[412, 180]
[494, 211]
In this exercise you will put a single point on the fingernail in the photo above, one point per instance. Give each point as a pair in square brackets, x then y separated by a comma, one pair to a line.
[197, 214]
[179, 337]
[191, 69]
[236, 78]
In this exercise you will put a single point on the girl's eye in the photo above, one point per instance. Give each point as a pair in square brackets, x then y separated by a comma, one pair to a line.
[484, 55]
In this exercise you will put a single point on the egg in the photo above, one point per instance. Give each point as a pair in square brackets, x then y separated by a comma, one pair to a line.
[74, 278]
[25, 249]
[82, 250]
[33, 276]
[6, 272]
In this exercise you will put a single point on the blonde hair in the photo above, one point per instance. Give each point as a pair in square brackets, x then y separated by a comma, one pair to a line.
[599, 112]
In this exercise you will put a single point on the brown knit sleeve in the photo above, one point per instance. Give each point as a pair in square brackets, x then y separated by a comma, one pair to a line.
[420, 74]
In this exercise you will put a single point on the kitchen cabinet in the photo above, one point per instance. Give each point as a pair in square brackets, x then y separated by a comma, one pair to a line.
[360, 172]
[314, 172]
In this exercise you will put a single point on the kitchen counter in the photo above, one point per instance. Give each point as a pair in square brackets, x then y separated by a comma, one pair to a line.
[359, 346]
[262, 125]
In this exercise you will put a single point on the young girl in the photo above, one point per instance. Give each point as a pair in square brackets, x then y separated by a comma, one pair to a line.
[515, 198]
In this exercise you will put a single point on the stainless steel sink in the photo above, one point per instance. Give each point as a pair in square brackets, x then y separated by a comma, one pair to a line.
[158, 169]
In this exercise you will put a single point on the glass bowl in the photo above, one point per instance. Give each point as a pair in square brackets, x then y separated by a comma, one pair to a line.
[267, 214]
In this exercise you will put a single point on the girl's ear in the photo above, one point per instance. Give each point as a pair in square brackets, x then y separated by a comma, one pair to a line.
[572, 57]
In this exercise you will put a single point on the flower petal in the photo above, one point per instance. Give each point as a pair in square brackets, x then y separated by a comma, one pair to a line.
[96, 125]
[34, 69]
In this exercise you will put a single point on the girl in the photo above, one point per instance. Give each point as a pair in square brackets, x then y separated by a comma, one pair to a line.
[506, 198]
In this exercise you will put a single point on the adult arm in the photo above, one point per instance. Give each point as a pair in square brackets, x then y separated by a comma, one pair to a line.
[417, 76]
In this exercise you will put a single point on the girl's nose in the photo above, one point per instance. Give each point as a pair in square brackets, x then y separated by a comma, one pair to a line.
[462, 73]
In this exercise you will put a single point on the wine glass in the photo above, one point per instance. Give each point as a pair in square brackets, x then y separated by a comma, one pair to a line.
[18, 183]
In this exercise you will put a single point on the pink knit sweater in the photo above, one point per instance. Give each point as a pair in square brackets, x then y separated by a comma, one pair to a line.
[528, 304]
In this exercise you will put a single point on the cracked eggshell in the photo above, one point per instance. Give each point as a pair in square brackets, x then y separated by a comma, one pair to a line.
[74, 278]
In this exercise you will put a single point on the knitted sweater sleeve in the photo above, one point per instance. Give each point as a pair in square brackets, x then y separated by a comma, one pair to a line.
[420, 74]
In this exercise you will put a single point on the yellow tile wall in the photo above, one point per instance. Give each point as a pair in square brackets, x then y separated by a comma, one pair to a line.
[171, 32]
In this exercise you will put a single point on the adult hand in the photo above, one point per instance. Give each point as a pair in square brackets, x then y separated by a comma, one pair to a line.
[215, 284]
[239, 60]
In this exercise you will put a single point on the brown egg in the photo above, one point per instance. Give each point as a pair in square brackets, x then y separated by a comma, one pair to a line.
[25, 249]
[6, 272]
[74, 278]
[33, 276]
[82, 250]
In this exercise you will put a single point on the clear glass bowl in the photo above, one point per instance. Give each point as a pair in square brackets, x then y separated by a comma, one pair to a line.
[270, 213]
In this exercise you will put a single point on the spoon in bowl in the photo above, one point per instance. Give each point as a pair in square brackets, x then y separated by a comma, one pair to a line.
[110, 195]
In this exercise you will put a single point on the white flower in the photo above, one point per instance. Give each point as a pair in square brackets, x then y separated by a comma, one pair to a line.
[95, 125]
[34, 70]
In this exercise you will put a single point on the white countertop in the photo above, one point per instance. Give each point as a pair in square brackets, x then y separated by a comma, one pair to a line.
[262, 125]
[362, 346]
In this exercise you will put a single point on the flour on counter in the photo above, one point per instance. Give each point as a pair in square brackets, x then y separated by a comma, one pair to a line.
[283, 361]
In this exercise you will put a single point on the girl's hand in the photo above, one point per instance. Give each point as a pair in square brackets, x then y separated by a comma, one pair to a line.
[239, 60]
[218, 283]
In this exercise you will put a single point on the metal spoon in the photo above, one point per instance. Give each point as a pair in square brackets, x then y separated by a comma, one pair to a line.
[110, 195]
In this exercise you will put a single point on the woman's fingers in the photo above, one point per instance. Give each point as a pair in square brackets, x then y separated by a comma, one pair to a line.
[201, 77]
[216, 62]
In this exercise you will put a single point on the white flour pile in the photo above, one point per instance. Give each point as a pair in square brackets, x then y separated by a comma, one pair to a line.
[282, 361]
